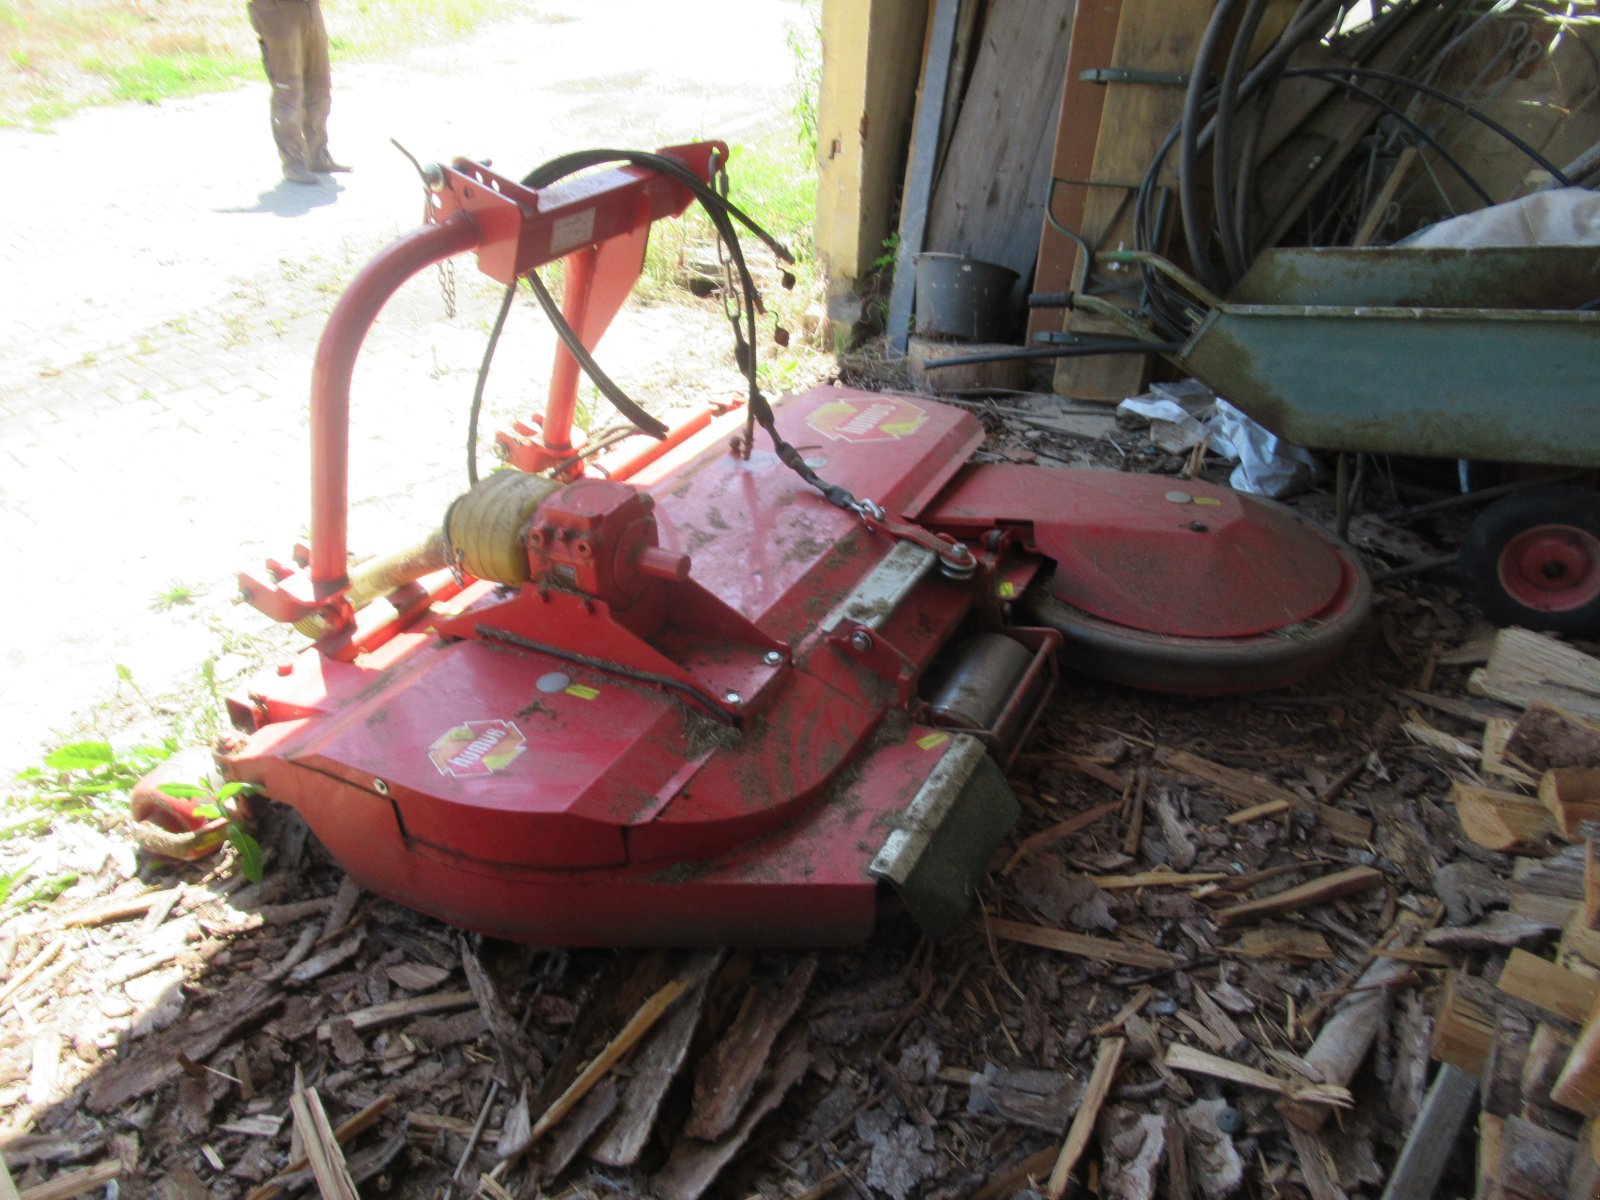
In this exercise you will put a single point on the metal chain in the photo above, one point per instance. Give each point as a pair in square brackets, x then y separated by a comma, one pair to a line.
[447, 267]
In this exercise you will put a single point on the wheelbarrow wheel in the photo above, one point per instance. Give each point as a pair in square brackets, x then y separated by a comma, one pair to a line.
[1533, 559]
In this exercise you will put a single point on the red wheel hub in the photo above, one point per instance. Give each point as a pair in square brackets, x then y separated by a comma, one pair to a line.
[1552, 568]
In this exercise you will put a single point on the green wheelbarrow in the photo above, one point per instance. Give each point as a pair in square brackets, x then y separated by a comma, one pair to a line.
[1488, 354]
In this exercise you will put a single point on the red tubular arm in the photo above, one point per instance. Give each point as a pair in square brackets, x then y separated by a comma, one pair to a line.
[330, 382]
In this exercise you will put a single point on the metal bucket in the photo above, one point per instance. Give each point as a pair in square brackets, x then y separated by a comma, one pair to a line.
[963, 298]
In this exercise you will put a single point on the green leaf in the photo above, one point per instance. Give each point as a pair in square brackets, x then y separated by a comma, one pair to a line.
[80, 756]
[124, 674]
[249, 852]
[207, 812]
[186, 791]
[48, 890]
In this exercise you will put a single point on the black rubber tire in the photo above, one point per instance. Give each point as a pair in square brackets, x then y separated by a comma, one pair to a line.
[1500, 582]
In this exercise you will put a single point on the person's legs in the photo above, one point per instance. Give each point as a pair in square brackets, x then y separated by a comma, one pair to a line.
[281, 27]
[319, 91]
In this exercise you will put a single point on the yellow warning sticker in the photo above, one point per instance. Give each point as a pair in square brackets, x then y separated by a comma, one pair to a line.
[929, 740]
[1008, 590]
[1208, 501]
[582, 691]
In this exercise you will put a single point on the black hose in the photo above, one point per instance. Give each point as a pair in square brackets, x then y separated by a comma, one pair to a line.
[569, 338]
[722, 213]
[483, 381]
[1222, 156]
[1450, 160]
[1194, 101]
[1329, 74]
[1080, 350]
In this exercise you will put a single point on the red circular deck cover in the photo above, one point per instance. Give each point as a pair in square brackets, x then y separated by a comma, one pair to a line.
[1186, 559]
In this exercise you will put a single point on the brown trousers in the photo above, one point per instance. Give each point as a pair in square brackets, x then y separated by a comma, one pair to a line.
[294, 50]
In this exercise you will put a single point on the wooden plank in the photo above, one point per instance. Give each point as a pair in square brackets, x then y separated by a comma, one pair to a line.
[914, 203]
[868, 91]
[1344, 1039]
[1094, 36]
[1152, 35]
[989, 200]
[1432, 1140]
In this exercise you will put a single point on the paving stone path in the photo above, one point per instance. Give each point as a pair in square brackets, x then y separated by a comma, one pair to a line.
[162, 295]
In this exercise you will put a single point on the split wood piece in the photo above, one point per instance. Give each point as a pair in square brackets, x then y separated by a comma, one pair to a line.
[660, 1058]
[1533, 1162]
[1316, 1165]
[1583, 1183]
[1548, 1052]
[1463, 1028]
[1546, 737]
[121, 910]
[1017, 1177]
[582, 1123]
[726, 1076]
[1255, 812]
[1527, 668]
[1107, 1058]
[348, 1128]
[1431, 1143]
[1579, 941]
[1572, 796]
[1424, 734]
[1560, 874]
[1578, 1086]
[1158, 878]
[1220, 1023]
[400, 1010]
[1501, 1085]
[1181, 1057]
[693, 1165]
[1591, 883]
[1474, 711]
[1498, 761]
[1281, 941]
[1551, 910]
[74, 1184]
[512, 1046]
[33, 966]
[1345, 1038]
[1490, 1131]
[1247, 791]
[1548, 986]
[156, 1060]
[322, 1148]
[1317, 891]
[1059, 832]
[1505, 821]
[1101, 949]
[1136, 1002]
[639, 1025]
[319, 964]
